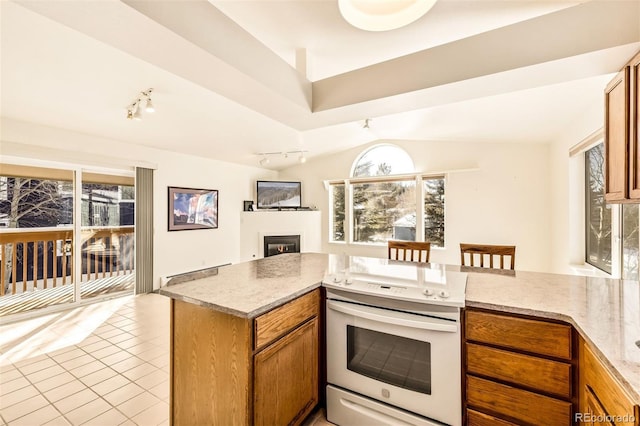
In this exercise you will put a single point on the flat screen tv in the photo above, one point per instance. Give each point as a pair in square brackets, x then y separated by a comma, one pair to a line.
[276, 194]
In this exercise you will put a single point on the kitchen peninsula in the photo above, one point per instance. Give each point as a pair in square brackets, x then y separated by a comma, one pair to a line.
[230, 332]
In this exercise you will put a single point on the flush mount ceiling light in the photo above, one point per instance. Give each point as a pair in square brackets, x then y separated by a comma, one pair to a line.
[285, 154]
[134, 111]
[383, 15]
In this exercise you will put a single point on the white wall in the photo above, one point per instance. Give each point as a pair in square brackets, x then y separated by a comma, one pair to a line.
[256, 225]
[505, 201]
[567, 205]
[174, 252]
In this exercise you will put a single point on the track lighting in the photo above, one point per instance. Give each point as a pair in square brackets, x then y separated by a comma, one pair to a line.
[137, 115]
[134, 111]
[149, 107]
[285, 154]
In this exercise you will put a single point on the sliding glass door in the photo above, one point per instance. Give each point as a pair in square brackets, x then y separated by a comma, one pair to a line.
[65, 235]
[107, 250]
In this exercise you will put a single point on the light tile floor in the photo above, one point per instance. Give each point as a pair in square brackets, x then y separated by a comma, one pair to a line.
[102, 364]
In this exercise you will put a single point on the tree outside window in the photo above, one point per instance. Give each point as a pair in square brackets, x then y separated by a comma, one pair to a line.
[434, 211]
[384, 206]
[337, 212]
[598, 213]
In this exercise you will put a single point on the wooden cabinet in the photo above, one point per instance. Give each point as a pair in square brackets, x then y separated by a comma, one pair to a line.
[286, 379]
[621, 136]
[602, 399]
[228, 370]
[286, 366]
[518, 370]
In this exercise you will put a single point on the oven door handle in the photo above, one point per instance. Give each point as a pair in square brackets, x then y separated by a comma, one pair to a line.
[393, 317]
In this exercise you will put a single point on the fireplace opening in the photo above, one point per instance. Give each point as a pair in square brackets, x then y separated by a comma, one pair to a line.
[279, 244]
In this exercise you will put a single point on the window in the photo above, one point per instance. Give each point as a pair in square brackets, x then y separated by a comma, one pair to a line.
[434, 211]
[598, 213]
[34, 202]
[383, 211]
[337, 201]
[383, 160]
[381, 201]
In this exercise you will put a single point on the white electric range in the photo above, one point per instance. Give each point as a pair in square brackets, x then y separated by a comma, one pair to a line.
[393, 342]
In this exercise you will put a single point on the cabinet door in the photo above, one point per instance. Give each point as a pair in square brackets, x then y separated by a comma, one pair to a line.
[594, 413]
[286, 378]
[610, 394]
[616, 137]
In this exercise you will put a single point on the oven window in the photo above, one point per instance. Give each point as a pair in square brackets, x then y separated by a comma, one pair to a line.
[396, 360]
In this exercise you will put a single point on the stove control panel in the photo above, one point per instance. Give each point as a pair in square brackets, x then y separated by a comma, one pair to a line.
[433, 294]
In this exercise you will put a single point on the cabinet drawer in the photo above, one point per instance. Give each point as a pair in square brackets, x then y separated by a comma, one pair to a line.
[519, 405]
[540, 337]
[606, 389]
[276, 323]
[540, 374]
[476, 418]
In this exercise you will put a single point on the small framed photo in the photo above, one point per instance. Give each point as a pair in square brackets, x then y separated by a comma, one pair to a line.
[192, 208]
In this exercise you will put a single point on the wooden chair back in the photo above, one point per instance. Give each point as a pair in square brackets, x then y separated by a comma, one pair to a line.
[410, 251]
[490, 251]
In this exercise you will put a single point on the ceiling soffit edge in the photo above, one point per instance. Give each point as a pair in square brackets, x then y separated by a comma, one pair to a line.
[564, 34]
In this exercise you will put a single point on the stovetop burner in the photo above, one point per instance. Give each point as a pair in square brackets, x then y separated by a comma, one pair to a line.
[416, 282]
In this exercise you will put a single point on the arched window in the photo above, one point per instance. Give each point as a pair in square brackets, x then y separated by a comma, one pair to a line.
[382, 160]
[378, 202]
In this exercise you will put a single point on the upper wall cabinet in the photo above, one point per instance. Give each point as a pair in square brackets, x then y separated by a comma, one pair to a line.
[622, 157]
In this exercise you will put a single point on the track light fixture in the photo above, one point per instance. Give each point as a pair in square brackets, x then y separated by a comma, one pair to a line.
[134, 111]
[265, 160]
[285, 154]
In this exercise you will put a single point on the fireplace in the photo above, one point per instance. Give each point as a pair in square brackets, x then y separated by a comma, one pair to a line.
[278, 244]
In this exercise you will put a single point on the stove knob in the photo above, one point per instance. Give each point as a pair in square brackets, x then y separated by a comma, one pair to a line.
[348, 281]
[428, 292]
[336, 280]
[443, 293]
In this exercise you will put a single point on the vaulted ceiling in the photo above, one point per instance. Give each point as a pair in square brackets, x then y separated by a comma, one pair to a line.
[232, 78]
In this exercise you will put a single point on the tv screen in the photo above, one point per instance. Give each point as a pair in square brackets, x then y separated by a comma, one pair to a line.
[275, 194]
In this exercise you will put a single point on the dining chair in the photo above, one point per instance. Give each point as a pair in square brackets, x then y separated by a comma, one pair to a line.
[411, 251]
[490, 251]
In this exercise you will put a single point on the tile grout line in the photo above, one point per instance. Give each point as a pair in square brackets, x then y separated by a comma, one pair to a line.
[153, 345]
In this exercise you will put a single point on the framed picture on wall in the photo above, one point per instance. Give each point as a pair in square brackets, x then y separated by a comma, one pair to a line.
[192, 208]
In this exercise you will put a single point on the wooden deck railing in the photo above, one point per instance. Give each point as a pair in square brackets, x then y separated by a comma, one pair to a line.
[44, 259]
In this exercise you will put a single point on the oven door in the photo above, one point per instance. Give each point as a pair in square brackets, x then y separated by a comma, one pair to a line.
[402, 359]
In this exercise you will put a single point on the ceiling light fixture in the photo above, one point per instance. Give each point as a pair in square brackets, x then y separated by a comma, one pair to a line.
[366, 123]
[134, 111]
[137, 110]
[383, 15]
[149, 107]
[285, 154]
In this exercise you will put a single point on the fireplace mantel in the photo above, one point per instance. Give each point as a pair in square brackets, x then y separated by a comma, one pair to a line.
[256, 225]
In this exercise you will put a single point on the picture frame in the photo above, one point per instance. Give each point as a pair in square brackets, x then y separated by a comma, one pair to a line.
[191, 208]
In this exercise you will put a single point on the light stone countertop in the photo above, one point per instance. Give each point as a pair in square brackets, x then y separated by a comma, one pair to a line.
[605, 312]
[252, 288]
